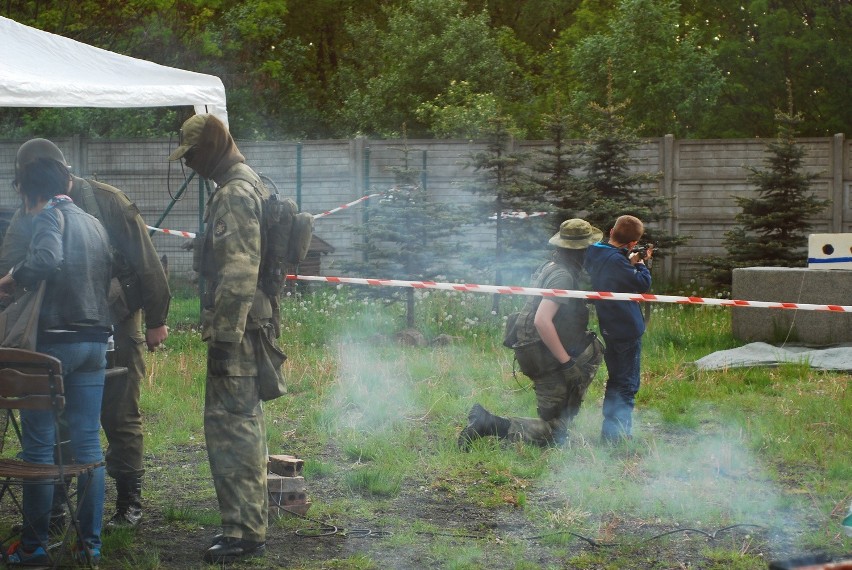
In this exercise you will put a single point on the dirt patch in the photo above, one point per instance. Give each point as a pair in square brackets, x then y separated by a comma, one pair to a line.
[426, 525]
[422, 527]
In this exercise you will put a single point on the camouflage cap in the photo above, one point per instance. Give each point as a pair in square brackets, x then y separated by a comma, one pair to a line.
[190, 135]
[576, 234]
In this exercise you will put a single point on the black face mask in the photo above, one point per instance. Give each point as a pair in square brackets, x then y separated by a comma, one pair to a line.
[214, 152]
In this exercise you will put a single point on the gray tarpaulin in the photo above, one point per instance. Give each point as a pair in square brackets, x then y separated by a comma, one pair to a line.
[763, 354]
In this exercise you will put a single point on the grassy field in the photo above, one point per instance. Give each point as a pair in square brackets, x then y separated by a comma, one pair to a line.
[728, 469]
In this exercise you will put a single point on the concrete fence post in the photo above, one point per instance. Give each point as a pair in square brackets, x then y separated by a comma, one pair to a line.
[837, 164]
[667, 161]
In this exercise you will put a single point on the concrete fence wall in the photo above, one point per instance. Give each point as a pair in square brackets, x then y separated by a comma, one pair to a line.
[699, 177]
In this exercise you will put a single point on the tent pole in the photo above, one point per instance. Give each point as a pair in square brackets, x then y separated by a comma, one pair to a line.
[174, 200]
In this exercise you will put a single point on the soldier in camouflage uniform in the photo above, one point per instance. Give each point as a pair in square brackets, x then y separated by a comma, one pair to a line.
[235, 312]
[140, 292]
[554, 348]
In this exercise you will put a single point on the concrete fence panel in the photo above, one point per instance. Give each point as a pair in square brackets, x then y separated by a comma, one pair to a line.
[700, 179]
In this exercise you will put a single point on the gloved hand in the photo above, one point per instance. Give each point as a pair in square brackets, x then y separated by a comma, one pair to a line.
[576, 382]
[572, 373]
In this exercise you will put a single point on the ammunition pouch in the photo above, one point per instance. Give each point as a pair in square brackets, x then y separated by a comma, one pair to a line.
[270, 378]
[197, 248]
[510, 336]
[534, 358]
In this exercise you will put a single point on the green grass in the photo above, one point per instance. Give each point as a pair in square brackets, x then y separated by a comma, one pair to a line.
[377, 424]
[379, 402]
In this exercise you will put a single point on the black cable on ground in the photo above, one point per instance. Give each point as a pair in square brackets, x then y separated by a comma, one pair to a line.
[326, 529]
[596, 544]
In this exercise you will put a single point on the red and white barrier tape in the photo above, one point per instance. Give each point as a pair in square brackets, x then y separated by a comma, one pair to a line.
[172, 232]
[590, 295]
[316, 216]
[344, 206]
[517, 215]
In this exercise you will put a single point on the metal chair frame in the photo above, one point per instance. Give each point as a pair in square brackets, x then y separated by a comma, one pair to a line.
[33, 381]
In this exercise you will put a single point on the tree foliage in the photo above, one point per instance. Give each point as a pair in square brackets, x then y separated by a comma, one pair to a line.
[426, 47]
[646, 58]
[759, 45]
[610, 178]
[553, 170]
[338, 68]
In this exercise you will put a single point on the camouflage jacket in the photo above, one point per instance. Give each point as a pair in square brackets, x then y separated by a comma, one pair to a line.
[231, 258]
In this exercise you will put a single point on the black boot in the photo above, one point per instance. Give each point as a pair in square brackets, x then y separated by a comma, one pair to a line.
[228, 549]
[128, 503]
[482, 423]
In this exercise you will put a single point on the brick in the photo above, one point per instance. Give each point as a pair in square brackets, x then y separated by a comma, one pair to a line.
[286, 465]
[283, 484]
[284, 499]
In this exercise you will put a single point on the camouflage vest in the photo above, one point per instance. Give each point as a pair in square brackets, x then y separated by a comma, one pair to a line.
[572, 318]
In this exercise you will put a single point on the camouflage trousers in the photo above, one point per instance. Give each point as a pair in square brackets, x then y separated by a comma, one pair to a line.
[559, 398]
[235, 434]
[120, 415]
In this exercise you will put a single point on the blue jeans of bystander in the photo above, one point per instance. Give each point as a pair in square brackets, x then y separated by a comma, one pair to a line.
[83, 366]
[622, 359]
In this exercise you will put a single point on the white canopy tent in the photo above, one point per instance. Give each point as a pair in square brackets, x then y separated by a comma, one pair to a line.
[40, 69]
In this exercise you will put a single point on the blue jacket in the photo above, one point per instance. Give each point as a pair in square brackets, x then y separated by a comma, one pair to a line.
[610, 270]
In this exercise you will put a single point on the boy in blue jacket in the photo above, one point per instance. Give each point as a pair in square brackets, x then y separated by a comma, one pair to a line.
[613, 267]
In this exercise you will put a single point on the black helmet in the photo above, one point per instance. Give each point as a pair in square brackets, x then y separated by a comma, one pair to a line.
[37, 148]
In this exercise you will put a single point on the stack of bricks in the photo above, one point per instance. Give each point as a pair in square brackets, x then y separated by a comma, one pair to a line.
[287, 491]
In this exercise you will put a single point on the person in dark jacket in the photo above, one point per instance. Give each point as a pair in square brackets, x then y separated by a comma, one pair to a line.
[613, 267]
[69, 250]
[139, 295]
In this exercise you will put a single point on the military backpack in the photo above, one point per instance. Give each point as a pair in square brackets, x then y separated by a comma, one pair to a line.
[285, 234]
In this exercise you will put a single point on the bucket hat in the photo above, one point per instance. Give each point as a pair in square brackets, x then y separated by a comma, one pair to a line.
[576, 234]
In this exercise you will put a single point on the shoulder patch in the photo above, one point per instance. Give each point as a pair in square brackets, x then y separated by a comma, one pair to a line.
[221, 227]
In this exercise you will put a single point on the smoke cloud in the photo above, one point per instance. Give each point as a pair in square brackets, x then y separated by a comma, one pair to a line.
[668, 479]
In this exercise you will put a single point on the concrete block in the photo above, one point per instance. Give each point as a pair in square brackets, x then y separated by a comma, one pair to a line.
[283, 499]
[287, 495]
[830, 251]
[792, 285]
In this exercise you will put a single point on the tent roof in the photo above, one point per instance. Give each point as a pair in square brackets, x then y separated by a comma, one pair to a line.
[40, 69]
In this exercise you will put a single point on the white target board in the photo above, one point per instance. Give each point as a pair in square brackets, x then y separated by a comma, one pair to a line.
[830, 251]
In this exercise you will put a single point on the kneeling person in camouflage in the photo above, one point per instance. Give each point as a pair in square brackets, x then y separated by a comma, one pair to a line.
[554, 348]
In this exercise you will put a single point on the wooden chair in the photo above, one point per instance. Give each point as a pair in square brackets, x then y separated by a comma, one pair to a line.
[33, 381]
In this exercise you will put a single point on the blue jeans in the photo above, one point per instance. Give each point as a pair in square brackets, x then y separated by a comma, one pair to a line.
[622, 359]
[83, 366]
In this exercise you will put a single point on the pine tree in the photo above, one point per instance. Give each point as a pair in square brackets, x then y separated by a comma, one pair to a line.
[614, 188]
[774, 225]
[553, 171]
[506, 197]
[407, 236]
